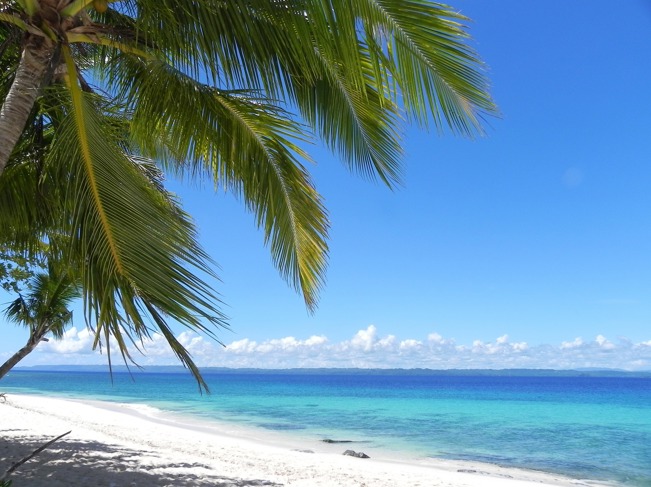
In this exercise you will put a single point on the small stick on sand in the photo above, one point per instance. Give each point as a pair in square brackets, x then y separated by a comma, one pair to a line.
[30, 456]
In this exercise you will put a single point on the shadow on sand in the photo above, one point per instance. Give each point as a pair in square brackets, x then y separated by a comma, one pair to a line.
[71, 462]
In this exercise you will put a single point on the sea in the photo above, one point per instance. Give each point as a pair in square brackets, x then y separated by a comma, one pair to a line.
[583, 426]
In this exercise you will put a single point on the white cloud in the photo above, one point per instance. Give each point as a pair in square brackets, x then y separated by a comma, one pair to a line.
[365, 348]
[435, 338]
[365, 339]
[578, 342]
[410, 344]
[603, 343]
[502, 340]
[74, 341]
[315, 340]
[386, 343]
[242, 346]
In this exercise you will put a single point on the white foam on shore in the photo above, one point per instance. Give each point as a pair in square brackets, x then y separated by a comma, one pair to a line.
[115, 444]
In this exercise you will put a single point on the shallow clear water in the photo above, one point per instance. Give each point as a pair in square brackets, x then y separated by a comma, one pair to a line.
[584, 427]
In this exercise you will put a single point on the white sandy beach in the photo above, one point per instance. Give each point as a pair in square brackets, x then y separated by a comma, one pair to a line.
[122, 445]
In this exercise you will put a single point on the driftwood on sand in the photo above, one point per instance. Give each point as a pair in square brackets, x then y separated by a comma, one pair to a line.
[27, 458]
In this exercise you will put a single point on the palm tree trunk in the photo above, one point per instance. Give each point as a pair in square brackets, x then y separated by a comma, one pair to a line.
[21, 354]
[31, 72]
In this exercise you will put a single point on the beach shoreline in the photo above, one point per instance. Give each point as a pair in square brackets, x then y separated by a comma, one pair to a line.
[115, 444]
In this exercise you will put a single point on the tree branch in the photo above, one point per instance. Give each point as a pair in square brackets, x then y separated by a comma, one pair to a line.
[30, 456]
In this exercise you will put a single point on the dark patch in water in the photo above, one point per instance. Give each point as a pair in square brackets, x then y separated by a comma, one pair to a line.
[281, 426]
[328, 440]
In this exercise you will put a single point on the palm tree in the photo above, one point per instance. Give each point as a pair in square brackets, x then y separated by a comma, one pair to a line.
[230, 90]
[44, 310]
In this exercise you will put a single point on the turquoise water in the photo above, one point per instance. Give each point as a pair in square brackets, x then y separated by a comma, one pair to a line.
[584, 427]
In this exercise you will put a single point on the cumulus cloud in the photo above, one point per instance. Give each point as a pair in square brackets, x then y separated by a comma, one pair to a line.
[74, 341]
[435, 338]
[576, 343]
[366, 348]
[603, 343]
[410, 344]
[366, 339]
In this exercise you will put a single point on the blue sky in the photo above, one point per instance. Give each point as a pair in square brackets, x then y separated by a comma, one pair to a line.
[527, 247]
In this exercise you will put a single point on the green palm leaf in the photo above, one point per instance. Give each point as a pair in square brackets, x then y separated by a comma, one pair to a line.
[229, 89]
[361, 125]
[45, 308]
[137, 249]
[424, 45]
[246, 145]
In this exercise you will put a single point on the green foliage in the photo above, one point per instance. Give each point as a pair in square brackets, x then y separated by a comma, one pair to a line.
[229, 90]
[45, 307]
[15, 271]
[18, 266]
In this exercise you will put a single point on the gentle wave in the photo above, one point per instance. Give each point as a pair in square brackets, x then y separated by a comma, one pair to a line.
[584, 427]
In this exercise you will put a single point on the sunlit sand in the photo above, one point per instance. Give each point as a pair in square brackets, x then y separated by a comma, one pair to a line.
[119, 445]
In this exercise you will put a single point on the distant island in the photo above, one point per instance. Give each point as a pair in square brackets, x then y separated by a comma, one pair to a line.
[169, 369]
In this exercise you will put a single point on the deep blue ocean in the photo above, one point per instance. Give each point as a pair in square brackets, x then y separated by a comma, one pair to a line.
[584, 427]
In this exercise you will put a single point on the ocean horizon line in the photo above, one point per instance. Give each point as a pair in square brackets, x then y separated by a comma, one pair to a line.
[521, 372]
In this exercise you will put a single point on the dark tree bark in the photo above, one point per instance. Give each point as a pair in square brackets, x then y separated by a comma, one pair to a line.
[34, 340]
[32, 70]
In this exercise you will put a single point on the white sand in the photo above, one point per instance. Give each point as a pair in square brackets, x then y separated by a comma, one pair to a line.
[122, 445]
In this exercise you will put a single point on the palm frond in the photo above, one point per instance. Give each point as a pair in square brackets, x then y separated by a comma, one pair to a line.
[361, 125]
[233, 41]
[17, 311]
[45, 307]
[425, 46]
[25, 195]
[136, 249]
[247, 145]
[216, 88]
